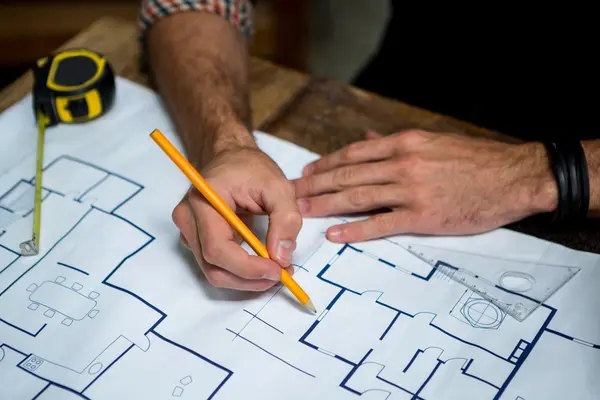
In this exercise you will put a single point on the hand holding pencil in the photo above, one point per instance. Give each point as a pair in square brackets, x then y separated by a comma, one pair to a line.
[246, 180]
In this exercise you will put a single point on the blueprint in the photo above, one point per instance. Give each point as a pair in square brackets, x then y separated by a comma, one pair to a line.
[114, 307]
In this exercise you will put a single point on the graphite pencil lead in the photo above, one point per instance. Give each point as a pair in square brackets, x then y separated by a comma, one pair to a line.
[309, 304]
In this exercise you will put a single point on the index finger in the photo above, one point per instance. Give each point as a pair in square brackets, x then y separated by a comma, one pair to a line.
[357, 152]
[219, 247]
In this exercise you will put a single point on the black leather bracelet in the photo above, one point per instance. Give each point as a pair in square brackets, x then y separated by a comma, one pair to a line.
[569, 165]
[585, 181]
[558, 167]
[568, 149]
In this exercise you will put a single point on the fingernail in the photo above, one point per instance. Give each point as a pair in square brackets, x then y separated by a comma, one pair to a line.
[303, 205]
[284, 251]
[273, 276]
[334, 233]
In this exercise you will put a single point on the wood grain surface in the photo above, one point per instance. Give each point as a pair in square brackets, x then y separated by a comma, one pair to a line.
[271, 85]
[321, 115]
[328, 114]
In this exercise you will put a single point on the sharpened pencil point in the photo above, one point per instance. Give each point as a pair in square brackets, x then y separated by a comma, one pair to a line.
[309, 304]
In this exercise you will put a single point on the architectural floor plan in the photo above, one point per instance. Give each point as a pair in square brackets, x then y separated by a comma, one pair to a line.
[113, 307]
[51, 305]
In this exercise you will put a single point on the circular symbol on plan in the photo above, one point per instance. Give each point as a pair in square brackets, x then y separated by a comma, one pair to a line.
[481, 313]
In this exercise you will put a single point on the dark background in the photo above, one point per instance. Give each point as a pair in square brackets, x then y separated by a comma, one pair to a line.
[527, 73]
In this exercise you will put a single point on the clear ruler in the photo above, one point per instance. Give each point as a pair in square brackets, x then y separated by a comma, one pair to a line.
[517, 287]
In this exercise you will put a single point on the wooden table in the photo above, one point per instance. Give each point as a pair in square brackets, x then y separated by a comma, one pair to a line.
[272, 89]
[321, 115]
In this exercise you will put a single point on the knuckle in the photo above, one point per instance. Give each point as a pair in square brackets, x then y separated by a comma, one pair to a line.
[343, 176]
[352, 151]
[290, 219]
[412, 137]
[386, 222]
[294, 218]
[409, 165]
[216, 277]
[359, 197]
[178, 215]
[415, 161]
[211, 253]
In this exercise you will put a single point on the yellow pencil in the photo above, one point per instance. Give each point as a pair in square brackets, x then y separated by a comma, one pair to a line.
[227, 213]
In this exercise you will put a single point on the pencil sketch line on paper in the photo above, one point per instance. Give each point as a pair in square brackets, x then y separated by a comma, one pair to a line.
[237, 334]
[42, 286]
[263, 321]
[73, 268]
[254, 316]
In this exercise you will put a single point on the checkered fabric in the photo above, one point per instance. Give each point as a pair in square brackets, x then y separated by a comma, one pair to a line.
[238, 12]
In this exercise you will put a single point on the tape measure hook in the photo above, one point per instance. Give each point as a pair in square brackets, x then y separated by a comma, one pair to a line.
[29, 247]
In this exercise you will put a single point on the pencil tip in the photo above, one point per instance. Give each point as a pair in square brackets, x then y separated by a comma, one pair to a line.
[309, 304]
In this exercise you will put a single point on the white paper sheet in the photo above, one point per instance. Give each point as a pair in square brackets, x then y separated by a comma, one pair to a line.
[115, 308]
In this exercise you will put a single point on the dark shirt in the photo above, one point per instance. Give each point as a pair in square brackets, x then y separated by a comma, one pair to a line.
[532, 75]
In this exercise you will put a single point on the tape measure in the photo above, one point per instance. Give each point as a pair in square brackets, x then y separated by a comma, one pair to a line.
[72, 86]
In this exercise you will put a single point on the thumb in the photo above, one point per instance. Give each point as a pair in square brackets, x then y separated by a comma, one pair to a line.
[285, 222]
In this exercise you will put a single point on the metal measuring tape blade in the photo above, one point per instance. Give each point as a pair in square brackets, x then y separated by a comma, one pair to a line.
[31, 247]
[517, 287]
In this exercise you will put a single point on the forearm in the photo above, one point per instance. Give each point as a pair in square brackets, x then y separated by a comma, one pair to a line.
[199, 62]
[592, 153]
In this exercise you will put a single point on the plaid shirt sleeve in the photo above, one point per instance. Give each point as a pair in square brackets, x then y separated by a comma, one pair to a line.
[238, 12]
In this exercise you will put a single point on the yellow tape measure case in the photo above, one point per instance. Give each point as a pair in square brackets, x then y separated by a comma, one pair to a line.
[73, 86]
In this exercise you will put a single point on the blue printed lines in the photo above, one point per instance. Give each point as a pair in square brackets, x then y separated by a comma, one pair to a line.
[378, 309]
[49, 251]
[579, 341]
[122, 323]
[518, 351]
[32, 334]
[73, 268]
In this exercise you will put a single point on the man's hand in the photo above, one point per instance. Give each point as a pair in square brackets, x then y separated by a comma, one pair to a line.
[250, 183]
[433, 183]
[200, 65]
